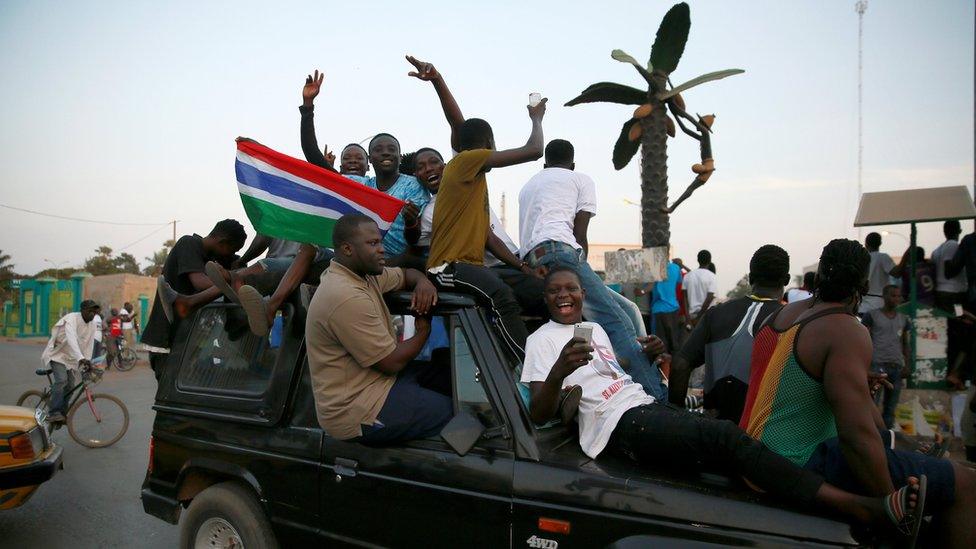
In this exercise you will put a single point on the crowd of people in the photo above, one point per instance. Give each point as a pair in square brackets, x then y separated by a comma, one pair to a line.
[788, 387]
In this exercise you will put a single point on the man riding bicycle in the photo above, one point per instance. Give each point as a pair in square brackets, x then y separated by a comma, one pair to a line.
[70, 348]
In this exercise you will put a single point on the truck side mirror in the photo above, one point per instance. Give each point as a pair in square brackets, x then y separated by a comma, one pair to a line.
[462, 432]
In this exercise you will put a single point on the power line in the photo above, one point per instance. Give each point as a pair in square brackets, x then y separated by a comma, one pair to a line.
[80, 219]
[154, 231]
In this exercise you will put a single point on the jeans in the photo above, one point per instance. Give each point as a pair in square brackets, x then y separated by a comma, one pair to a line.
[632, 311]
[64, 379]
[666, 436]
[487, 286]
[601, 307]
[416, 407]
[888, 398]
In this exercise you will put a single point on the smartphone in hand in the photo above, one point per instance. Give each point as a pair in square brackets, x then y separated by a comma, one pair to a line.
[584, 332]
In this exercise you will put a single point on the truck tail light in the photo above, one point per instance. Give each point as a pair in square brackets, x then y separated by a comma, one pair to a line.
[152, 454]
[21, 446]
[553, 525]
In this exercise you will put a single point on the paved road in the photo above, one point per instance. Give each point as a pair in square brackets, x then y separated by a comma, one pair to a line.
[94, 501]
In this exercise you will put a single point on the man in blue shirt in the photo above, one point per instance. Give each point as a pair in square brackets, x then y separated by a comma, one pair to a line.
[384, 155]
[665, 308]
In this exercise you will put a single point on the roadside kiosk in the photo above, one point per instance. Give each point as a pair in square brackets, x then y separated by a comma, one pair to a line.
[915, 206]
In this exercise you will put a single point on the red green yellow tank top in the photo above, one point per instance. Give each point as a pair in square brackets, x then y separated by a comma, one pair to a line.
[786, 407]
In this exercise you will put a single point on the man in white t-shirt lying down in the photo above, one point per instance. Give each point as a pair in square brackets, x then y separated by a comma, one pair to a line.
[616, 414]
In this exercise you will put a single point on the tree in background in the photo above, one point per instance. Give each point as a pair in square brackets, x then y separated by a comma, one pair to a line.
[7, 274]
[650, 125]
[742, 288]
[157, 259]
[103, 263]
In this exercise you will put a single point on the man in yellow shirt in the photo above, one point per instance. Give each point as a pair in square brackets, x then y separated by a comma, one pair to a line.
[461, 221]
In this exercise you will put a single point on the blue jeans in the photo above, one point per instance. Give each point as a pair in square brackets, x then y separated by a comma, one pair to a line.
[64, 379]
[416, 407]
[602, 307]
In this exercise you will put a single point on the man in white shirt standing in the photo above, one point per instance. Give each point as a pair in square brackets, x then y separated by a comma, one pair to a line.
[70, 347]
[555, 208]
[880, 274]
[949, 292]
[699, 287]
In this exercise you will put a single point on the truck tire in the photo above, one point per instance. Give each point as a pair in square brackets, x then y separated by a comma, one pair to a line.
[226, 515]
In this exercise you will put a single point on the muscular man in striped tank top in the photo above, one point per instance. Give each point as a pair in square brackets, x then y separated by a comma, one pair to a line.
[809, 400]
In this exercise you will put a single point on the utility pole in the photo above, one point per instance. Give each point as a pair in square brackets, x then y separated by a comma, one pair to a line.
[174, 231]
[860, 7]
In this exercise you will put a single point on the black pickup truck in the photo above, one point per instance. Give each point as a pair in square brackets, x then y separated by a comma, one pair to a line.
[237, 450]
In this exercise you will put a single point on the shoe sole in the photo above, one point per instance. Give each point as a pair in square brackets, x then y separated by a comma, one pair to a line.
[253, 303]
[212, 271]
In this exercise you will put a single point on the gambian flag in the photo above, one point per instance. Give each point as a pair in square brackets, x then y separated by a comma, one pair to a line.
[291, 199]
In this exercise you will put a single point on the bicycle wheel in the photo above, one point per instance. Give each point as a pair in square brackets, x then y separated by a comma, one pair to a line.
[126, 360]
[98, 423]
[33, 399]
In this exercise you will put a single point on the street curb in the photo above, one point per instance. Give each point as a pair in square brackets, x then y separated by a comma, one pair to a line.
[26, 340]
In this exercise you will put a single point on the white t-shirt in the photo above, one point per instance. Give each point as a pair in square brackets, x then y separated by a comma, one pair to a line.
[608, 392]
[427, 223]
[698, 283]
[72, 339]
[943, 253]
[878, 278]
[797, 294]
[548, 205]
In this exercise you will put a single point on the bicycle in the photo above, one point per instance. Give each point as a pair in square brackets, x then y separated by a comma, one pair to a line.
[125, 356]
[96, 421]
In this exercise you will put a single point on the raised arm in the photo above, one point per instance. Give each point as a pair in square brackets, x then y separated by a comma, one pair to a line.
[452, 112]
[310, 145]
[533, 148]
[845, 380]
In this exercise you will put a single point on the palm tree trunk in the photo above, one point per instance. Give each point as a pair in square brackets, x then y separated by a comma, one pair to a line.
[655, 223]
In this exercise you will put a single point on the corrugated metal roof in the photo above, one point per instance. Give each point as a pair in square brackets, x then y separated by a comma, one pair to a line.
[914, 206]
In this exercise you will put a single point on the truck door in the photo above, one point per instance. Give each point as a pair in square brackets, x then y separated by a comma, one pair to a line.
[421, 492]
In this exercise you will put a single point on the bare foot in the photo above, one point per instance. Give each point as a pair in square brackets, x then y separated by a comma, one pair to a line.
[902, 510]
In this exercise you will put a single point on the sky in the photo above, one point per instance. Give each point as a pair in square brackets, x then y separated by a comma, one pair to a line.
[126, 111]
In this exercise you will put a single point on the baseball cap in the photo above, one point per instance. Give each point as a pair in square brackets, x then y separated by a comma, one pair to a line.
[89, 304]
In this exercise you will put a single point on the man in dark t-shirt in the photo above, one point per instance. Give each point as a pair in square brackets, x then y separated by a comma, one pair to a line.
[183, 270]
[722, 339]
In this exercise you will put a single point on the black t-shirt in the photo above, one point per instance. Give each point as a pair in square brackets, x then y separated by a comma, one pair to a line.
[187, 256]
[966, 258]
[722, 341]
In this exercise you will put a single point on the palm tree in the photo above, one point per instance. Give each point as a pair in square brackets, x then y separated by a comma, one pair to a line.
[650, 126]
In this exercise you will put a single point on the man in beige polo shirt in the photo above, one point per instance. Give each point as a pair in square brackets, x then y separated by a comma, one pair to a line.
[364, 389]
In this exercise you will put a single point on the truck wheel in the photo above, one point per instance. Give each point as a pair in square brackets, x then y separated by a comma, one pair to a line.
[226, 515]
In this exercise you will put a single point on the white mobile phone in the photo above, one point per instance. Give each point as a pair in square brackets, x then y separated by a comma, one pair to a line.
[958, 309]
[584, 332]
[535, 99]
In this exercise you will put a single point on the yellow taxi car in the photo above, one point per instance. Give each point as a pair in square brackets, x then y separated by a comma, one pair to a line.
[27, 455]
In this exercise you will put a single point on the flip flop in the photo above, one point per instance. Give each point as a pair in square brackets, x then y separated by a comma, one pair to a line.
[937, 450]
[569, 404]
[907, 522]
[212, 269]
[255, 306]
[166, 295]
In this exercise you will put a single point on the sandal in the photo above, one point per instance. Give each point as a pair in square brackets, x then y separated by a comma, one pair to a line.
[215, 274]
[569, 404]
[907, 521]
[167, 295]
[255, 305]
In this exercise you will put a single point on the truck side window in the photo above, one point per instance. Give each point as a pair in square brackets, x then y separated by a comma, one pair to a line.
[223, 356]
[468, 388]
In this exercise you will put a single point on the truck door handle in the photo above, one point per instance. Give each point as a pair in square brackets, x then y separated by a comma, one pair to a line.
[345, 468]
